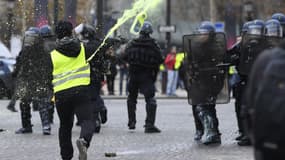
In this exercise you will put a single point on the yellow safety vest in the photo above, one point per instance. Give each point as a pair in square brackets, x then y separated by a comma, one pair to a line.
[231, 70]
[161, 67]
[178, 60]
[69, 72]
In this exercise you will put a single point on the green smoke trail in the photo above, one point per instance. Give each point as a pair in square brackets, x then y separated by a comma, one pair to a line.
[138, 7]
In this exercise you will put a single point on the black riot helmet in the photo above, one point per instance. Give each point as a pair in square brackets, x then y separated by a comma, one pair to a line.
[46, 31]
[85, 31]
[256, 28]
[273, 28]
[31, 36]
[146, 28]
[206, 27]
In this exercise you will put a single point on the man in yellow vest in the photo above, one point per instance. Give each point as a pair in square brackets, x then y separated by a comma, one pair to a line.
[71, 79]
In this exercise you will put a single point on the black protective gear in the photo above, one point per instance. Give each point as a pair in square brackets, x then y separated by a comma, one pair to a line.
[26, 114]
[143, 52]
[150, 111]
[150, 116]
[144, 56]
[198, 125]
[131, 114]
[208, 117]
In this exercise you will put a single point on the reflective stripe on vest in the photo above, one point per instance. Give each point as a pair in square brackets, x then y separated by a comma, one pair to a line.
[178, 60]
[69, 72]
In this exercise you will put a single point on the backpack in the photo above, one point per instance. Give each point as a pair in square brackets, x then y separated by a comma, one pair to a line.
[269, 106]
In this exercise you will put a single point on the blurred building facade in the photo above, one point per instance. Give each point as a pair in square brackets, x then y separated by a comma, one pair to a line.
[185, 14]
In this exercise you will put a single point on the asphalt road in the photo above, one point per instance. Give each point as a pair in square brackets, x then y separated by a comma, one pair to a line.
[174, 118]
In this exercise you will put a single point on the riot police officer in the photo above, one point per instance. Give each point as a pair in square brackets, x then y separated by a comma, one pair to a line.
[273, 33]
[49, 40]
[243, 56]
[144, 57]
[205, 54]
[264, 110]
[281, 18]
[33, 81]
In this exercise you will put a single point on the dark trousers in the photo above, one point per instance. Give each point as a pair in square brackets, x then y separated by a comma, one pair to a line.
[110, 83]
[123, 75]
[239, 91]
[66, 108]
[25, 108]
[143, 83]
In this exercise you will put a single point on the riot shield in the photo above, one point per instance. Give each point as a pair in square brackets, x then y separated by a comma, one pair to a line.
[251, 47]
[271, 42]
[208, 81]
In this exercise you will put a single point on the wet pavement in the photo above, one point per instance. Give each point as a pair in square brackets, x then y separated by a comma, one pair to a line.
[174, 118]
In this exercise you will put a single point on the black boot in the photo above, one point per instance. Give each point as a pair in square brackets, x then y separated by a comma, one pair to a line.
[44, 114]
[209, 120]
[132, 115]
[103, 115]
[244, 141]
[26, 118]
[239, 137]
[198, 125]
[150, 119]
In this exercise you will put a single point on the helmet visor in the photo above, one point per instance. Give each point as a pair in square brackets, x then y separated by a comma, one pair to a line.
[255, 30]
[274, 32]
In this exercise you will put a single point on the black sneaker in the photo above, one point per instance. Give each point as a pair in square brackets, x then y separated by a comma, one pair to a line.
[24, 131]
[151, 129]
[82, 148]
[132, 125]
[46, 130]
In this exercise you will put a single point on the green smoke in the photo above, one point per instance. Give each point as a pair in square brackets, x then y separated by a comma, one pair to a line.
[138, 7]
